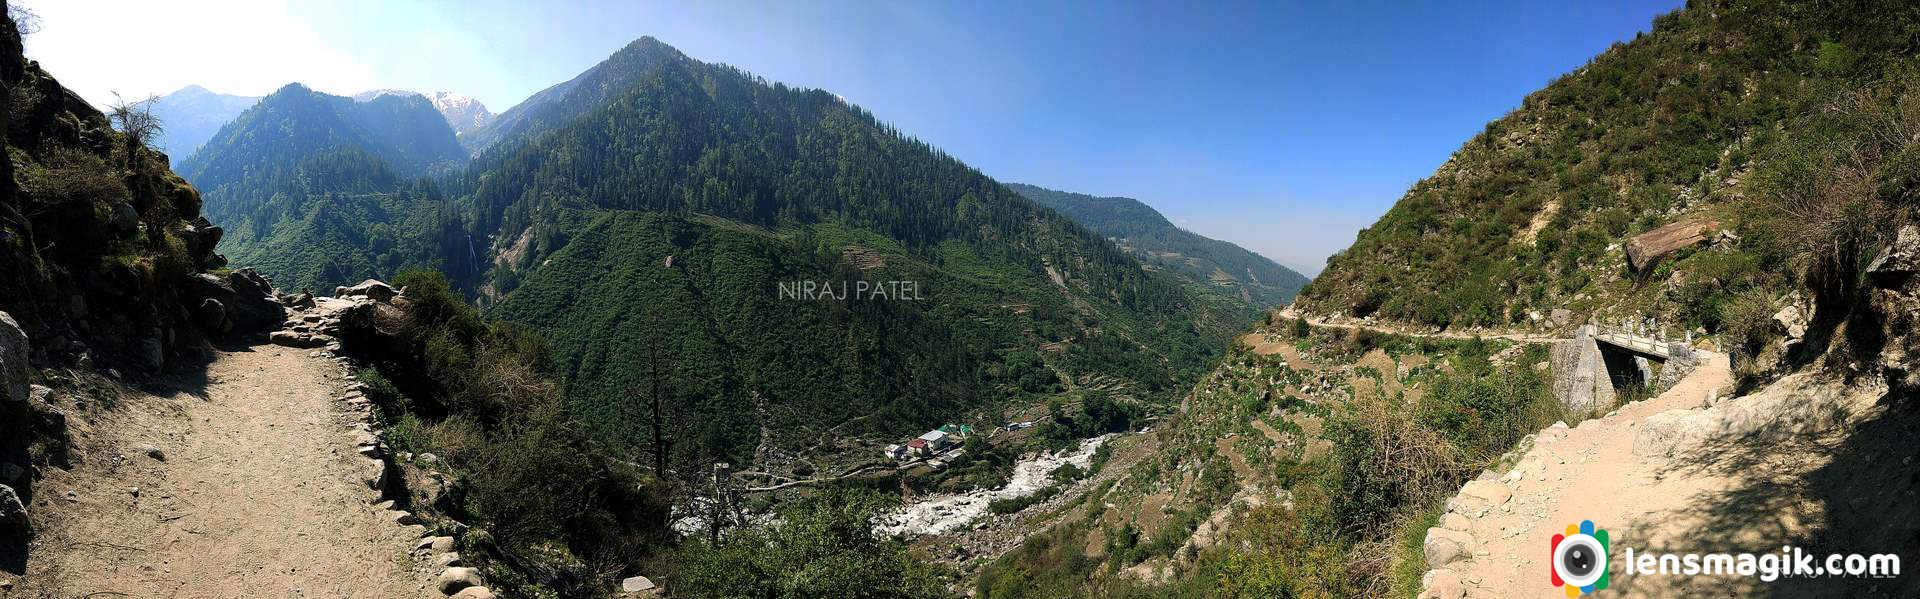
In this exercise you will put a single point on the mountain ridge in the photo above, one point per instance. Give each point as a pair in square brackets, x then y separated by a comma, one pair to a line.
[1260, 281]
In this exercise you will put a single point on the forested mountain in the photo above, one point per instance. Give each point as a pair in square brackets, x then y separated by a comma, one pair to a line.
[656, 205]
[296, 123]
[669, 215]
[192, 115]
[316, 190]
[556, 106]
[1146, 234]
[463, 114]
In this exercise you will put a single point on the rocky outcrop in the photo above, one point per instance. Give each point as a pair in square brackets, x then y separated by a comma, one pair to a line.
[14, 371]
[1895, 298]
[1647, 249]
[13, 514]
[1796, 404]
[370, 289]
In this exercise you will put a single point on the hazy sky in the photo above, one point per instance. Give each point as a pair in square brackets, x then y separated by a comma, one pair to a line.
[1283, 127]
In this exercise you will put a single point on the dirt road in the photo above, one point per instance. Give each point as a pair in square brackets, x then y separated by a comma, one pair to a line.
[252, 492]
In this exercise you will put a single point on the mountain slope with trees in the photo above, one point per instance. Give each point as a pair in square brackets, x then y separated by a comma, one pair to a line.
[671, 214]
[657, 205]
[1146, 234]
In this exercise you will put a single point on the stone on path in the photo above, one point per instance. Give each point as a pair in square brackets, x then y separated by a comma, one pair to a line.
[454, 579]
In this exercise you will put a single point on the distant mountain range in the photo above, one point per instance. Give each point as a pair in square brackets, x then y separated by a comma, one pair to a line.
[192, 115]
[1146, 234]
[463, 114]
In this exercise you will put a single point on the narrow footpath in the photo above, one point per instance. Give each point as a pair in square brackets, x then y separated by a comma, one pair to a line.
[243, 483]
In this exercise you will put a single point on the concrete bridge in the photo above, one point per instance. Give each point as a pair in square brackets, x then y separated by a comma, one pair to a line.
[1589, 368]
[1644, 345]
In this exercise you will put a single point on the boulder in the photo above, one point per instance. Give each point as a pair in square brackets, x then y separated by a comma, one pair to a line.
[1647, 249]
[636, 584]
[14, 371]
[245, 297]
[474, 593]
[1560, 317]
[1897, 264]
[457, 578]
[153, 452]
[296, 340]
[447, 560]
[13, 514]
[212, 315]
[301, 301]
[123, 218]
[1792, 321]
[370, 289]
[435, 544]
[1442, 584]
[1444, 547]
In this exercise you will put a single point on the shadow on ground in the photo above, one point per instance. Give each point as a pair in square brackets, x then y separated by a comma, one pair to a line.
[1846, 491]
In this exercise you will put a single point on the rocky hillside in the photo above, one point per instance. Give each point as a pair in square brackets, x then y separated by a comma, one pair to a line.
[1674, 175]
[1146, 234]
[111, 269]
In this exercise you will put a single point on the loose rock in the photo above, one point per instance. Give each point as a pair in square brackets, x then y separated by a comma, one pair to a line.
[454, 579]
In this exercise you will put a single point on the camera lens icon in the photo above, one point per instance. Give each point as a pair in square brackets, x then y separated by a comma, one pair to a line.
[1579, 559]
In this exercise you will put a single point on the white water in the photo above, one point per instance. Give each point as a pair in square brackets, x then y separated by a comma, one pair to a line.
[940, 514]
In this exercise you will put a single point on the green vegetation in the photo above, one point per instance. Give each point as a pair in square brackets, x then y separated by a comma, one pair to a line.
[823, 546]
[1353, 513]
[1741, 111]
[656, 205]
[1212, 264]
[477, 394]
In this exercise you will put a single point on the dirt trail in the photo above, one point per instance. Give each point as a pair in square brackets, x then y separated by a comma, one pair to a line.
[1591, 472]
[256, 495]
[1321, 321]
[1583, 473]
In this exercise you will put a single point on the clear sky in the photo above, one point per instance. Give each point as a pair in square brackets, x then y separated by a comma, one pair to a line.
[1283, 127]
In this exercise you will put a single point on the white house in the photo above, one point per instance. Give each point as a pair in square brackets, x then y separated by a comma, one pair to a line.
[937, 440]
[895, 452]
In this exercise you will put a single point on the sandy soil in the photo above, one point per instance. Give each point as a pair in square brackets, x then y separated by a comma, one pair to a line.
[256, 495]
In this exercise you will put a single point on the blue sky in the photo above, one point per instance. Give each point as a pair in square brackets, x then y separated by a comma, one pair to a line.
[1283, 127]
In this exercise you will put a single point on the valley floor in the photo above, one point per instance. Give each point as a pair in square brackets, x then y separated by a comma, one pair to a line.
[239, 481]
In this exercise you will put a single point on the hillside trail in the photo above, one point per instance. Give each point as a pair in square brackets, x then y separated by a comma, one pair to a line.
[235, 482]
[1686, 472]
[1324, 322]
[1586, 472]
